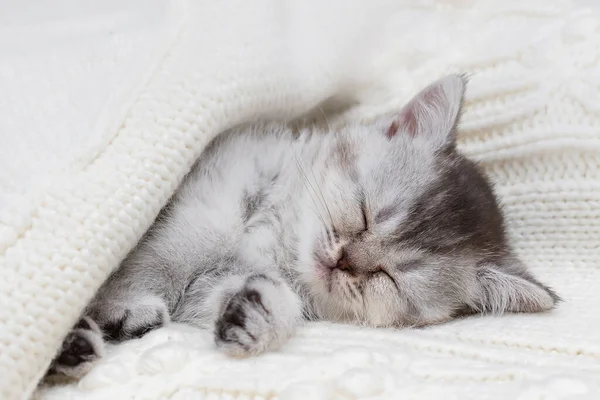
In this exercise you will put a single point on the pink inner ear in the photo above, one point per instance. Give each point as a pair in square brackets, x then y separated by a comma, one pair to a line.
[392, 130]
[408, 118]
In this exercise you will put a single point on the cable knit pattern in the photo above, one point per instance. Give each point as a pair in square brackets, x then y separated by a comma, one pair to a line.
[532, 118]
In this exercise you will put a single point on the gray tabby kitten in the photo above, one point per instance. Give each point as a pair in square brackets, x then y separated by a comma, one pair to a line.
[382, 224]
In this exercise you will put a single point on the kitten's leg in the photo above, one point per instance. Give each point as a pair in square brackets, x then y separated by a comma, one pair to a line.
[134, 299]
[82, 346]
[249, 314]
[119, 311]
[128, 315]
[254, 314]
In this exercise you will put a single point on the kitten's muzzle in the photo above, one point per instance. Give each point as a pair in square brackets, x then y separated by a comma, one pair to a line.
[343, 264]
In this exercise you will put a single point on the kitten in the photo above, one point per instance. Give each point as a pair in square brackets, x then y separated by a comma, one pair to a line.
[381, 224]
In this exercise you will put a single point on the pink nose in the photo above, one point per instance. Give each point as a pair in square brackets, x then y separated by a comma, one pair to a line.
[342, 263]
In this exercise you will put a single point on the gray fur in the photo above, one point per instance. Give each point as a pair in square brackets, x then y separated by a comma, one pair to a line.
[382, 224]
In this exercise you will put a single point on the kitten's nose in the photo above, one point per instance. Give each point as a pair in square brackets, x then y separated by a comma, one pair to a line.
[342, 262]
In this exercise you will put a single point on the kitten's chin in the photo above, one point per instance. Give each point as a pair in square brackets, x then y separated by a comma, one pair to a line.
[327, 310]
[334, 311]
[332, 302]
[335, 300]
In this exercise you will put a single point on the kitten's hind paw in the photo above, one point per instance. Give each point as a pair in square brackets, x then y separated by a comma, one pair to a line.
[125, 319]
[258, 317]
[82, 346]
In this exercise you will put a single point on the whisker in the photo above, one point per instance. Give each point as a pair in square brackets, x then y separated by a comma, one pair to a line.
[303, 171]
[319, 216]
[313, 174]
[320, 192]
[332, 236]
[326, 120]
[306, 182]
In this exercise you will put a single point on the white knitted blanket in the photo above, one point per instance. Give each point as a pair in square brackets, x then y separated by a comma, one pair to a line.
[100, 117]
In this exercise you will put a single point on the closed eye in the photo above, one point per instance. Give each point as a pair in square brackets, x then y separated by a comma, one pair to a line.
[363, 209]
[382, 272]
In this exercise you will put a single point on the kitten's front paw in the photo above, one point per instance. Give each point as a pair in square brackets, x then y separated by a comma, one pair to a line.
[82, 346]
[259, 317]
[244, 328]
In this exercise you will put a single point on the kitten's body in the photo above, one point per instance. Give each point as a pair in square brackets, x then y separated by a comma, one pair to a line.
[384, 224]
[237, 212]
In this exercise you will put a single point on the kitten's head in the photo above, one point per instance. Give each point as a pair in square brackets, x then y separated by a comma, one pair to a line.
[410, 231]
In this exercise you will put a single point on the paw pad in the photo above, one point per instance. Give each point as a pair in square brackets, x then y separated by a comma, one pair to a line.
[78, 351]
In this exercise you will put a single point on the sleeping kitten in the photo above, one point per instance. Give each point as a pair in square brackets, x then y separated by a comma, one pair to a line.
[382, 224]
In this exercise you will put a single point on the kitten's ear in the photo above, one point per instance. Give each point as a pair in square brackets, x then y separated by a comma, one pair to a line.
[511, 289]
[433, 113]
